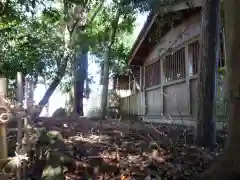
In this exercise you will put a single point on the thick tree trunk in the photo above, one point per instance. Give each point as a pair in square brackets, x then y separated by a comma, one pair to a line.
[229, 162]
[205, 135]
[105, 82]
[106, 66]
[80, 75]
[78, 96]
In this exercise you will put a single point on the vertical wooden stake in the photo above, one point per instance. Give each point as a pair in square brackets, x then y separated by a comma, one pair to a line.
[20, 122]
[20, 100]
[3, 141]
[3, 132]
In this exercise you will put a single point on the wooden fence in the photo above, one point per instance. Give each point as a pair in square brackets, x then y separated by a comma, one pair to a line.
[133, 104]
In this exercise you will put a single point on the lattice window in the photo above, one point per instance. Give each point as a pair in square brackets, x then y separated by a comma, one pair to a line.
[194, 55]
[152, 74]
[174, 66]
[193, 49]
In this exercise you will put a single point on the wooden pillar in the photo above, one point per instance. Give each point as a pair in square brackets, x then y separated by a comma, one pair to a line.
[20, 122]
[129, 84]
[189, 72]
[144, 92]
[20, 100]
[19, 87]
[142, 104]
[141, 78]
[134, 85]
[162, 77]
[188, 61]
[3, 133]
[129, 88]
[3, 86]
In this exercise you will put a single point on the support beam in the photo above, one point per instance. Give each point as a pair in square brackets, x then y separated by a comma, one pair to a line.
[162, 77]
[189, 72]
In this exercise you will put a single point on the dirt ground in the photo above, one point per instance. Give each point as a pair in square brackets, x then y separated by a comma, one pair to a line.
[132, 151]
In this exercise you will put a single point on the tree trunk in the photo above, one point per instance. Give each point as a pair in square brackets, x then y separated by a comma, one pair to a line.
[228, 165]
[106, 66]
[63, 63]
[47, 105]
[52, 86]
[78, 97]
[210, 36]
[80, 75]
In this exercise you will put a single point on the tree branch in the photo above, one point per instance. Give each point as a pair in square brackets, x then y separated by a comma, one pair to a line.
[96, 12]
[73, 27]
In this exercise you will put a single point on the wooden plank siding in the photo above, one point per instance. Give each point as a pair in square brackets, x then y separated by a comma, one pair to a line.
[169, 75]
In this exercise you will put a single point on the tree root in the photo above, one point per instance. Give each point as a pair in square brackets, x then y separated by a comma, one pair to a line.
[224, 169]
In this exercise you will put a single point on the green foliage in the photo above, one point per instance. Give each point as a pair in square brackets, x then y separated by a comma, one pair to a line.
[113, 99]
[25, 45]
[32, 33]
[100, 33]
[222, 71]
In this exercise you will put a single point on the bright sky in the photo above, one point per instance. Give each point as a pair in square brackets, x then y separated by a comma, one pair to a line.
[57, 100]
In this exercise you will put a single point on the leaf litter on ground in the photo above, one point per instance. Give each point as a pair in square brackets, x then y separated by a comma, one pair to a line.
[141, 151]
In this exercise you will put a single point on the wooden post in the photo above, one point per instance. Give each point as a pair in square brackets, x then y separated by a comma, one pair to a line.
[189, 72]
[20, 122]
[130, 93]
[19, 87]
[141, 78]
[3, 133]
[129, 83]
[134, 86]
[29, 103]
[3, 86]
[29, 88]
[162, 76]
[3, 120]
